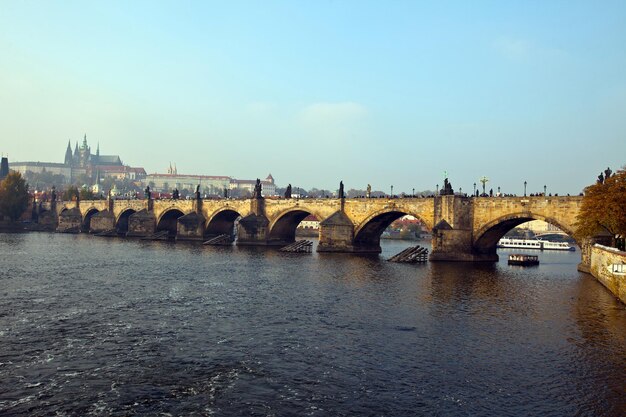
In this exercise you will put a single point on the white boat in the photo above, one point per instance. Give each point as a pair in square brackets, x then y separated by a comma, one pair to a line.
[523, 260]
[512, 243]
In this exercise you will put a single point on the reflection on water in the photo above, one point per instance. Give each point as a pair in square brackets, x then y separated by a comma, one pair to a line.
[94, 326]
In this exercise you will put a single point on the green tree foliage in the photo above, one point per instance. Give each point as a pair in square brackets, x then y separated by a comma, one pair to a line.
[44, 179]
[13, 196]
[603, 209]
[86, 194]
[70, 193]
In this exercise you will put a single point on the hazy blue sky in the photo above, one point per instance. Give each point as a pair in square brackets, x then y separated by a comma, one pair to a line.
[386, 92]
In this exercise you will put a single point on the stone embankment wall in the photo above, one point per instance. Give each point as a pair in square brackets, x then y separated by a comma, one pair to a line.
[603, 267]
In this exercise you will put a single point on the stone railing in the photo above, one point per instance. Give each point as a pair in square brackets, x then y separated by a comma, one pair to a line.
[607, 266]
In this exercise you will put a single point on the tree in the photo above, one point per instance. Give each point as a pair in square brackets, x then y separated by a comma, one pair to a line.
[13, 196]
[70, 193]
[86, 194]
[353, 193]
[603, 209]
[44, 179]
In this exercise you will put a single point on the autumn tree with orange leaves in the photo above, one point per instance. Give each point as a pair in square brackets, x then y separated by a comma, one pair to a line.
[603, 209]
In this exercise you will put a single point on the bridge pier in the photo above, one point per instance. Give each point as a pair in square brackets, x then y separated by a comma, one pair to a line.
[253, 230]
[48, 218]
[190, 227]
[337, 234]
[453, 237]
[70, 221]
[456, 246]
[102, 222]
[141, 224]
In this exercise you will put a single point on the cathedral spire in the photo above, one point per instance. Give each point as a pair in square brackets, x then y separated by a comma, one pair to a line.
[98, 149]
[68, 154]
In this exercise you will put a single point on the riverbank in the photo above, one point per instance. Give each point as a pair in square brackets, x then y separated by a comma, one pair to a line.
[608, 265]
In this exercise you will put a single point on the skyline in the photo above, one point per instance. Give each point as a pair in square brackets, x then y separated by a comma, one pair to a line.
[318, 93]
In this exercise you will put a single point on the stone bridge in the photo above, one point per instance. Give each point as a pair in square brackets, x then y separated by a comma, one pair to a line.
[463, 228]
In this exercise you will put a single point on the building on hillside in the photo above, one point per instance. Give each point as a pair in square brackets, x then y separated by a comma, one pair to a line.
[209, 184]
[28, 168]
[539, 226]
[268, 188]
[123, 172]
[309, 222]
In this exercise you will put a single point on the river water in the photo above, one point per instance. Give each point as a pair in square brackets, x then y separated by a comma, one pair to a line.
[99, 326]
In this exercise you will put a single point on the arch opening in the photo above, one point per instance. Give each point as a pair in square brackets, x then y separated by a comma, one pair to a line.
[367, 237]
[490, 235]
[223, 223]
[86, 226]
[169, 222]
[122, 222]
[283, 231]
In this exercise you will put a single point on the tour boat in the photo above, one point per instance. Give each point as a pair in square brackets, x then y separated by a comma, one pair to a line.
[512, 243]
[524, 260]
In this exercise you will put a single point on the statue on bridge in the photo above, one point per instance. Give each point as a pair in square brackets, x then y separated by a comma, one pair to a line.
[368, 192]
[257, 189]
[147, 192]
[198, 192]
[603, 177]
[175, 194]
[53, 194]
[447, 188]
[225, 192]
[288, 191]
[341, 193]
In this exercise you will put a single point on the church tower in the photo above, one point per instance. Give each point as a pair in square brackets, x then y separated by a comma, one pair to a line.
[68, 154]
[84, 153]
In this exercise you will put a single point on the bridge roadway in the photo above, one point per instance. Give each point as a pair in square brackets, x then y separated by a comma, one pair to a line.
[463, 228]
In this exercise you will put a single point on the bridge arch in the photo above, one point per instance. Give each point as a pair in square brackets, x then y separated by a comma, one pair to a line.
[486, 238]
[367, 234]
[168, 220]
[283, 228]
[86, 223]
[222, 222]
[121, 223]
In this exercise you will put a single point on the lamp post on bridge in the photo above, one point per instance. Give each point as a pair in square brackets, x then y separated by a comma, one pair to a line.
[391, 191]
[544, 190]
[437, 189]
[474, 194]
[525, 188]
[498, 191]
[413, 194]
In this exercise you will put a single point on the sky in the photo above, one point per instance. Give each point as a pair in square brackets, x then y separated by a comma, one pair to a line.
[382, 93]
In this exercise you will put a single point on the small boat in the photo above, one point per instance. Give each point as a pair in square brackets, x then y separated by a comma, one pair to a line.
[513, 243]
[524, 260]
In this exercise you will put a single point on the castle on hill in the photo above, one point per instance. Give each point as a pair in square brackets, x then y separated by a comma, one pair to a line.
[83, 158]
[82, 164]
